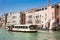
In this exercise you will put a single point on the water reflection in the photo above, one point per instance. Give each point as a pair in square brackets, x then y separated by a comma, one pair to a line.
[44, 35]
[57, 35]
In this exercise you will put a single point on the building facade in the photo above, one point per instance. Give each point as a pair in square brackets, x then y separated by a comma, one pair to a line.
[41, 16]
[15, 18]
[0, 22]
[3, 20]
[36, 16]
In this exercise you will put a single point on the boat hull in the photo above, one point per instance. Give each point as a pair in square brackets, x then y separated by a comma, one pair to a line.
[23, 28]
[23, 31]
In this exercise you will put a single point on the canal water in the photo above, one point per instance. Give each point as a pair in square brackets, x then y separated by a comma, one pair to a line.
[41, 35]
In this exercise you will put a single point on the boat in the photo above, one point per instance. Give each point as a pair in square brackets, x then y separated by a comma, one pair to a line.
[23, 28]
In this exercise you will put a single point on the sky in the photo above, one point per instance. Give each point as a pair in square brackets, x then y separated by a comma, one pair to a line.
[7, 6]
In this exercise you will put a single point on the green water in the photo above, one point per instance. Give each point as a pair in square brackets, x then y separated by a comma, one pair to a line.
[46, 35]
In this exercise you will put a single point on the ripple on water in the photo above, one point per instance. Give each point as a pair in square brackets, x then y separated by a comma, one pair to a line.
[7, 35]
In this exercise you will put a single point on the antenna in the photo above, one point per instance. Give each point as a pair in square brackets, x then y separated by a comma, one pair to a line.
[48, 2]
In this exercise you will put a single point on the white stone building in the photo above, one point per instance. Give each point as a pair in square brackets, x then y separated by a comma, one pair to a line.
[13, 18]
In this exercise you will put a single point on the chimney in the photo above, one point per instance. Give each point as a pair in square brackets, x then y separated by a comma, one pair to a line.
[48, 2]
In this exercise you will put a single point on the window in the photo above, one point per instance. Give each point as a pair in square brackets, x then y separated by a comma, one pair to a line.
[42, 21]
[40, 15]
[45, 8]
[45, 14]
[52, 14]
[13, 21]
[45, 19]
[37, 16]
[42, 8]
[18, 26]
[57, 6]
[30, 16]
[21, 26]
[37, 21]
[8, 22]
[26, 27]
[29, 21]
[38, 10]
[14, 17]
[52, 6]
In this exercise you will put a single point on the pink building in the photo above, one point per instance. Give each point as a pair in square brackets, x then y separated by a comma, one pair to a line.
[4, 20]
[41, 16]
[36, 16]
